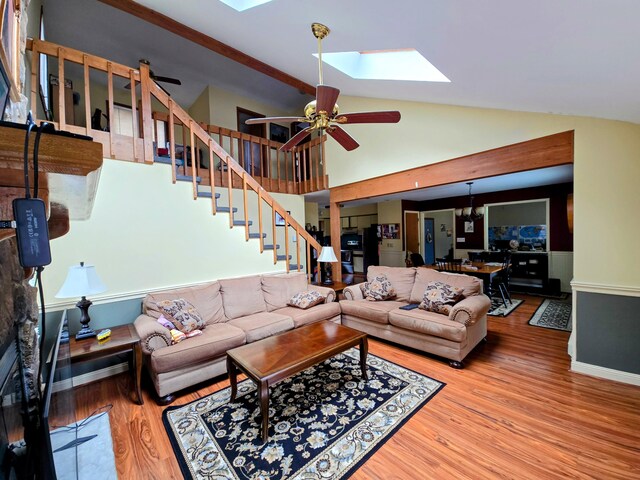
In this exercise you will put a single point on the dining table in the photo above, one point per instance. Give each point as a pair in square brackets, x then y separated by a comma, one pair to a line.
[486, 271]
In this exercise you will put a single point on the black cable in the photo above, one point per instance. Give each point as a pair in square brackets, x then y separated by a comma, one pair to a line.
[36, 146]
[30, 126]
[44, 323]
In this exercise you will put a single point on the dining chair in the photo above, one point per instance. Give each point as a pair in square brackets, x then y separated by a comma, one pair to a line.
[449, 265]
[416, 260]
[501, 280]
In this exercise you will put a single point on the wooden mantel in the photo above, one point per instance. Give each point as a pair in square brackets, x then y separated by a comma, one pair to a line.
[68, 170]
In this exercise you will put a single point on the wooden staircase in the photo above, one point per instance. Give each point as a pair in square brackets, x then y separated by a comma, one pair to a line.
[222, 179]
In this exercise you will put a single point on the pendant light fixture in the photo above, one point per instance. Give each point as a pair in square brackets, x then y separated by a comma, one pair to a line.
[469, 213]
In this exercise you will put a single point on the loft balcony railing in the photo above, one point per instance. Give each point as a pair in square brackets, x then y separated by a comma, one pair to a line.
[203, 158]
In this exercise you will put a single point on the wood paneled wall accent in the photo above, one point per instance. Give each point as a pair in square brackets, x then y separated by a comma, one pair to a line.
[162, 21]
[543, 152]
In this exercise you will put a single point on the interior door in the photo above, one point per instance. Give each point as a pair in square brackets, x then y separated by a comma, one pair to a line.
[429, 242]
[412, 237]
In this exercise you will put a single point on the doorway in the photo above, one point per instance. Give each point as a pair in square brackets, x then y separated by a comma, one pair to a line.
[411, 232]
[429, 241]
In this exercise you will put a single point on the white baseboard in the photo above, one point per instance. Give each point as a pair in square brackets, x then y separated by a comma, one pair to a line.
[100, 374]
[603, 372]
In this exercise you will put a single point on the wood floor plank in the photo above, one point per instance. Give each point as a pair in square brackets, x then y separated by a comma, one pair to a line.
[514, 412]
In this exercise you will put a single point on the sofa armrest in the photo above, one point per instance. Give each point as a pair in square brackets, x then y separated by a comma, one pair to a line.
[470, 310]
[153, 336]
[353, 292]
[328, 293]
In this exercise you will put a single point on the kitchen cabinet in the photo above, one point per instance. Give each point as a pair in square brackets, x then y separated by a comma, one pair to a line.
[529, 270]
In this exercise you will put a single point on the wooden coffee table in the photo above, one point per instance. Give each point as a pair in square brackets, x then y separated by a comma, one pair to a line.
[273, 359]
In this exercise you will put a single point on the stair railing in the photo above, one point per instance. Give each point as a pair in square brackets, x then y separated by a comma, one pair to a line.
[142, 149]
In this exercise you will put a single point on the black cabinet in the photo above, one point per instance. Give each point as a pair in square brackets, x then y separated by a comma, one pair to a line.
[529, 270]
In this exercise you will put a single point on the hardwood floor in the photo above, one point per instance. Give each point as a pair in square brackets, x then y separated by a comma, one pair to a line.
[514, 411]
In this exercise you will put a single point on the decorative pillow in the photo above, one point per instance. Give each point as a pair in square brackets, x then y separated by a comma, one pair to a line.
[181, 314]
[378, 288]
[439, 297]
[306, 299]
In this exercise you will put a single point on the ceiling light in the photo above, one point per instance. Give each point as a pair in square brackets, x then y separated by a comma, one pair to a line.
[469, 213]
[403, 64]
[241, 5]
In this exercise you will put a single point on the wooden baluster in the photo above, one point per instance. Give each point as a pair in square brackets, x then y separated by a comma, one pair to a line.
[62, 123]
[251, 159]
[316, 160]
[260, 219]
[212, 177]
[297, 185]
[134, 116]
[172, 141]
[87, 94]
[298, 239]
[194, 171]
[273, 228]
[278, 169]
[184, 148]
[35, 79]
[309, 272]
[229, 189]
[304, 182]
[287, 155]
[286, 240]
[111, 110]
[245, 204]
[147, 120]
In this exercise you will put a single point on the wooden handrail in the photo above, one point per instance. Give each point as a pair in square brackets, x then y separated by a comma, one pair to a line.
[115, 145]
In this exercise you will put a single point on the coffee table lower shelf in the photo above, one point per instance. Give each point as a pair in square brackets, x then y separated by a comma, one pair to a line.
[276, 358]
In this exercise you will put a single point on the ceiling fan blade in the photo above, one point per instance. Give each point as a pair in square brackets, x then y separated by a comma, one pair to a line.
[343, 138]
[174, 81]
[296, 139]
[128, 86]
[368, 117]
[253, 121]
[326, 98]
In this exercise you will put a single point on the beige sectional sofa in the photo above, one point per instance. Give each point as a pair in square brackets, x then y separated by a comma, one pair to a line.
[236, 311]
[451, 337]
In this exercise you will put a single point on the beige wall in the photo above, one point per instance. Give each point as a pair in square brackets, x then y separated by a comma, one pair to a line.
[146, 233]
[311, 213]
[199, 109]
[606, 169]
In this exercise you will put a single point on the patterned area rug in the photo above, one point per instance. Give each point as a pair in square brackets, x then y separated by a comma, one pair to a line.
[498, 309]
[323, 423]
[554, 314]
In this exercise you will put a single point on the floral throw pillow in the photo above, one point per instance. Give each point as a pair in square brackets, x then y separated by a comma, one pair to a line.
[306, 299]
[379, 288]
[439, 297]
[181, 314]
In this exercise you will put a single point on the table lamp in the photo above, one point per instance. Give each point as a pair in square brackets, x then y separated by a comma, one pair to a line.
[82, 280]
[327, 256]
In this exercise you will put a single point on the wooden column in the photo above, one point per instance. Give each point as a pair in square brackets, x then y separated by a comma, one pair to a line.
[334, 213]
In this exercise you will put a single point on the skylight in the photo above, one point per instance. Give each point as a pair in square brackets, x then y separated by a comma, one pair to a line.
[241, 5]
[405, 64]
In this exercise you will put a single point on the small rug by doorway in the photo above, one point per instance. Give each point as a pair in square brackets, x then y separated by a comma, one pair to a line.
[498, 309]
[323, 423]
[555, 314]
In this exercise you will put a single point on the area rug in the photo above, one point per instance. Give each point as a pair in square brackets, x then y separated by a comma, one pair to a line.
[554, 314]
[498, 309]
[323, 423]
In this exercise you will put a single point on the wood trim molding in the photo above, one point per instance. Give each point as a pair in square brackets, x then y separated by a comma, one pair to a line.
[543, 152]
[625, 290]
[162, 21]
[607, 373]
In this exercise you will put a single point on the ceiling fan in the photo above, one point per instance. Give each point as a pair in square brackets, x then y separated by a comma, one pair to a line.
[155, 77]
[323, 112]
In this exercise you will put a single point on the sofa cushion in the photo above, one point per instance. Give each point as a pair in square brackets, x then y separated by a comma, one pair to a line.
[429, 323]
[242, 296]
[278, 289]
[205, 298]
[470, 285]
[306, 299]
[373, 311]
[440, 298]
[378, 288]
[214, 342]
[325, 311]
[401, 278]
[262, 325]
[181, 314]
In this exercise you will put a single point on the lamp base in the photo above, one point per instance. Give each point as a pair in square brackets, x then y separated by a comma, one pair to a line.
[328, 281]
[85, 332]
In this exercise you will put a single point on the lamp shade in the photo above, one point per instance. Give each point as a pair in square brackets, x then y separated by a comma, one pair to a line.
[327, 255]
[82, 280]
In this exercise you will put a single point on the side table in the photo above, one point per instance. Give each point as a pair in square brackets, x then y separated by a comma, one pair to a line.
[124, 338]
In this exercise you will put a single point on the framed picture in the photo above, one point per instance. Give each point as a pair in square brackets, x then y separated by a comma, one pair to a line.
[280, 219]
[278, 133]
[468, 227]
[390, 230]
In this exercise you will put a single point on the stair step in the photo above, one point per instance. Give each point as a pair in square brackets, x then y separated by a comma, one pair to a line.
[270, 247]
[227, 210]
[187, 178]
[240, 223]
[283, 257]
[257, 235]
[295, 267]
[167, 160]
[208, 195]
